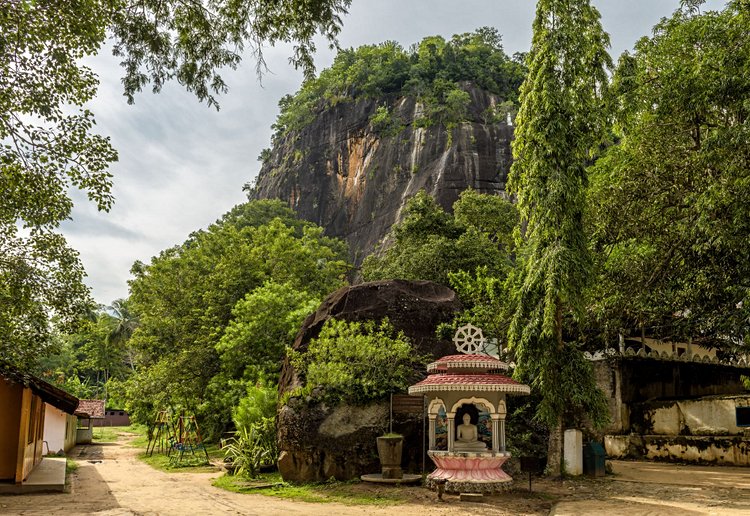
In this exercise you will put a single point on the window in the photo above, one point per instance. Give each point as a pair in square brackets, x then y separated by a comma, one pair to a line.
[743, 416]
[122, 413]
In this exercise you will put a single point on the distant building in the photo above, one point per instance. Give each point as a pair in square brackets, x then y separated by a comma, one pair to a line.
[87, 411]
[113, 417]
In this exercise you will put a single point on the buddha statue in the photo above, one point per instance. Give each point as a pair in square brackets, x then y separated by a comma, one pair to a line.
[467, 437]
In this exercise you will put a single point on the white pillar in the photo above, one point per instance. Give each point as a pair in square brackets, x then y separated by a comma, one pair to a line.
[573, 452]
[495, 432]
[431, 432]
[451, 430]
[502, 435]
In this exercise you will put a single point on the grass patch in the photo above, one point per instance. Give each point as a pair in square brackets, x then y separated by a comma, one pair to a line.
[271, 484]
[70, 466]
[109, 434]
[104, 434]
[189, 463]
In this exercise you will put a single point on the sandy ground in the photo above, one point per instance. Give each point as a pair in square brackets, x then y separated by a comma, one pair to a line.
[110, 480]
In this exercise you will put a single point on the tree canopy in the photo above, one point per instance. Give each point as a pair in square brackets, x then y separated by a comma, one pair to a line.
[431, 244]
[671, 200]
[47, 140]
[431, 70]
[559, 125]
[216, 312]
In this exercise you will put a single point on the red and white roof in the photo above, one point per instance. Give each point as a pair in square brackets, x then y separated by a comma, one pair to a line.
[478, 362]
[484, 382]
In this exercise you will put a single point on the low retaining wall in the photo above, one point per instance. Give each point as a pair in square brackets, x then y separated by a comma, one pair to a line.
[716, 449]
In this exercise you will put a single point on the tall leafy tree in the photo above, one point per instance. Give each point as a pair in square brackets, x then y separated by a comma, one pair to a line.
[671, 201]
[560, 121]
[47, 142]
[200, 302]
[47, 146]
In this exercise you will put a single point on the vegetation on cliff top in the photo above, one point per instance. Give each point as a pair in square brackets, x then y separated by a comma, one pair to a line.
[431, 70]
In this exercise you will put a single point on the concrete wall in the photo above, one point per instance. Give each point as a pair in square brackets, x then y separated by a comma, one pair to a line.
[711, 415]
[724, 450]
[54, 429]
[59, 429]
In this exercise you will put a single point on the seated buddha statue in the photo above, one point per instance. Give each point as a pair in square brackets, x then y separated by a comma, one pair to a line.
[467, 437]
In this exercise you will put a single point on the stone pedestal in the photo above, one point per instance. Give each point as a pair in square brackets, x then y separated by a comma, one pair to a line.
[389, 450]
[573, 452]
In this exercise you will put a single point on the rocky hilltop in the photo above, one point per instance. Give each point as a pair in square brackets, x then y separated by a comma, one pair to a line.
[351, 171]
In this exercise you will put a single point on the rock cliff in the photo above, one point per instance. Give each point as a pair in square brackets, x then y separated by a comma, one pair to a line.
[353, 177]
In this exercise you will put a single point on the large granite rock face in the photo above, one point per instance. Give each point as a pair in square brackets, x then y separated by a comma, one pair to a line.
[340, 173]
[319, 441]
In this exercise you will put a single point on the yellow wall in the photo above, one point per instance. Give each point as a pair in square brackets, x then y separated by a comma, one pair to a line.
[10, 409]
[21, 431]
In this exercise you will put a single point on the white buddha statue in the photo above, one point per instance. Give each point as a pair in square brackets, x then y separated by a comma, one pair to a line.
[467, 437]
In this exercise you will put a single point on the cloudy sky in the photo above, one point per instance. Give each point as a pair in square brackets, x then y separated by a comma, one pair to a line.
[182, 164]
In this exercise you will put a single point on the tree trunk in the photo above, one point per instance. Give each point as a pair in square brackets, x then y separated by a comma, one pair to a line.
[555, 449]
[555, 443]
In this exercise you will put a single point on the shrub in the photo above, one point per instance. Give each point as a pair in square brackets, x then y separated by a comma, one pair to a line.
[359, 362]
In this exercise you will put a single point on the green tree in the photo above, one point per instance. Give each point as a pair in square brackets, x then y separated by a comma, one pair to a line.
[192, 41]
[430, 243]
[46, 148]
[560, 122]
[358, 362]
[431, 71]
[199, 301]
[671, 201]
[47, 143]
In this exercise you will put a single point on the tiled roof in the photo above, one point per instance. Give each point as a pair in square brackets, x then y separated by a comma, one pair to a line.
[484, 362]
[93, 409]
[469, 382]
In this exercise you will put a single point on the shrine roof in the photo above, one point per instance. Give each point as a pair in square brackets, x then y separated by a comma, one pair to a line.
[469, 382]
[475, 361]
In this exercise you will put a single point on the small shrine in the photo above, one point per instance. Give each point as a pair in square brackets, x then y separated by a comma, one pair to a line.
[467, 410]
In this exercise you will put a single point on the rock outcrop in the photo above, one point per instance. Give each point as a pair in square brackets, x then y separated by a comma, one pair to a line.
[319, 441]
[347, 176]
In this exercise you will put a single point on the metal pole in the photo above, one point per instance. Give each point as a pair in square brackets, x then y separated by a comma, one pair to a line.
[390, 428]
[424, 436]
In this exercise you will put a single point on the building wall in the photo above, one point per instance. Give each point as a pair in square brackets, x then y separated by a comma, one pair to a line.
[113, 417]
[711, 415]
[31, 434]
[10, 408]
[59, 430]
[54, 429]
[71, 427]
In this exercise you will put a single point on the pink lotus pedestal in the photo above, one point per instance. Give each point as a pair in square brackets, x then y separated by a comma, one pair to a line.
[470, 472]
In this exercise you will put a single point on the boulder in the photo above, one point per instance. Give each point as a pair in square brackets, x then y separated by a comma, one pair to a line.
[319, 441]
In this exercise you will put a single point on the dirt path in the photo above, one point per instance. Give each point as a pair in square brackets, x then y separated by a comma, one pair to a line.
[648, 488]
[110, 480]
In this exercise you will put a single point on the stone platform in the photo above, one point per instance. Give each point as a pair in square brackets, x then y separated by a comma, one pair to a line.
[378, 479]
[48, 476]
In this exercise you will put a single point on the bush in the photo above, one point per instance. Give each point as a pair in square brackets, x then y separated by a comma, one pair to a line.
[358, 362]
[254, 444]
[253, 447]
